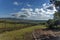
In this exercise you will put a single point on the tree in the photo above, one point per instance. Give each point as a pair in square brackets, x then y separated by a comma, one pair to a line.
[53, 23]
[56, 20]
[50, 24]
[57, 15]
[56, 2]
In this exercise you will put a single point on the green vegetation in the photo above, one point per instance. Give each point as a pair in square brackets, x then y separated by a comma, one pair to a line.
[9, 26]
[54, 23]
[23, 31]
[57, 15]
[22, 34]
[11, 30]
[56, 2]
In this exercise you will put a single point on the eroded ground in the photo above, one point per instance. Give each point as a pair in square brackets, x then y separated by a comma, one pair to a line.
[46, 34]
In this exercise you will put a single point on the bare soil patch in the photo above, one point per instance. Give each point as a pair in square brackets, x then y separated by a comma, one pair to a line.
[47, 34]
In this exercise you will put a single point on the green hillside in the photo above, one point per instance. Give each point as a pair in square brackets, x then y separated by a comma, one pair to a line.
[22, 34]
[12, 26]
[11, 29]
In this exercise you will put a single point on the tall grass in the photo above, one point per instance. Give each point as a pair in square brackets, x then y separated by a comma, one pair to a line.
[22, 34]
[12, 26]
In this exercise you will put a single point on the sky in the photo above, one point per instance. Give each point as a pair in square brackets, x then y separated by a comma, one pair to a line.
[33, 9]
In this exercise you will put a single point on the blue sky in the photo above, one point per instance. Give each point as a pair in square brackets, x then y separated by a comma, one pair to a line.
[8, 7]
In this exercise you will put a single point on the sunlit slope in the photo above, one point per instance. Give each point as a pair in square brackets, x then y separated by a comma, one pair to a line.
[22, 34]
[12, 26]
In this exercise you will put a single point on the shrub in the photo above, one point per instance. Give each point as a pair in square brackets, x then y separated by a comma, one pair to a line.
[53, 24]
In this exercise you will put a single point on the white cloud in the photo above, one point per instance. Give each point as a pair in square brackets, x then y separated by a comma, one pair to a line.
[28, 5]
[26, 12]
[27, 9]
[44, 4]
[16, 3]
[43, 13]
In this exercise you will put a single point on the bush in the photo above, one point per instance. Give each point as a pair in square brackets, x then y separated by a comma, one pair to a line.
[50, 23]
[53, 24]
[58, 26]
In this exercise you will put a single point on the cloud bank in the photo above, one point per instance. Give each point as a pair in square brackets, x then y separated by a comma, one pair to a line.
[44, 13]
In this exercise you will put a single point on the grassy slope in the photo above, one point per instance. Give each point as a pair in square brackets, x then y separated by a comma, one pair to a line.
[10, 27]
[22, 34]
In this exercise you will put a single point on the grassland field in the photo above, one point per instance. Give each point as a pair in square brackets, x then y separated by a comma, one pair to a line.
[17, 31]
[22, 34]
